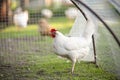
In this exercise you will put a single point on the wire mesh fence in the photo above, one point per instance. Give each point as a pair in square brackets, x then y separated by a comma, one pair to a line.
[19, 44]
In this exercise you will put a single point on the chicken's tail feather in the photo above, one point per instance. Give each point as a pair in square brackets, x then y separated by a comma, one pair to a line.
[91, 25]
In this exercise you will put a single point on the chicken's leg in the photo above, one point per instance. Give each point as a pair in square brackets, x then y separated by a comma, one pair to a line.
[73, 65]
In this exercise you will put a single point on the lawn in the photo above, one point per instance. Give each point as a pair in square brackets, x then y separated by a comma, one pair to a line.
[24, 56]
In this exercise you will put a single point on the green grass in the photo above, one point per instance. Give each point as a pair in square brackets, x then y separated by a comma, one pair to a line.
[50, 67]
[42, 63]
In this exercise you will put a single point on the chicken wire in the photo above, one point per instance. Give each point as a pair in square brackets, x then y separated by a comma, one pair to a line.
[16, 45]
[107, 49]
[11, 48]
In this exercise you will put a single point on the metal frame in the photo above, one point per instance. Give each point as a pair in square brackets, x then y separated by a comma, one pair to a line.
[97, 16]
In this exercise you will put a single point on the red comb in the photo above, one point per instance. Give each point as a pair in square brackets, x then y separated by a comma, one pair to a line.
[52, 30]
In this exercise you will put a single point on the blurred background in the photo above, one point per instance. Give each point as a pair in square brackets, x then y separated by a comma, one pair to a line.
[54, 8]
[25, 54]
[36, 8]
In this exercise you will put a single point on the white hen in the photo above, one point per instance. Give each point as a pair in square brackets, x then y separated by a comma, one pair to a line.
[47, 13]
[21, 18]
[74, 48]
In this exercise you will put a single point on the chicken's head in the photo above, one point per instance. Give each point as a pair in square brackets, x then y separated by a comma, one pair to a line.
[53, 32]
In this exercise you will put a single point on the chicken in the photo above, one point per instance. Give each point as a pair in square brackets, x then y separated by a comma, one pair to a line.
[74, 48]
[20, 18]
[71, 13]
[46, 13]
[43, 27]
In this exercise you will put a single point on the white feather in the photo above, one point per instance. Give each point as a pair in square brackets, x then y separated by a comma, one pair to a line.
[47, 13]
[21, 19]
[64, 45]
[84, 28]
